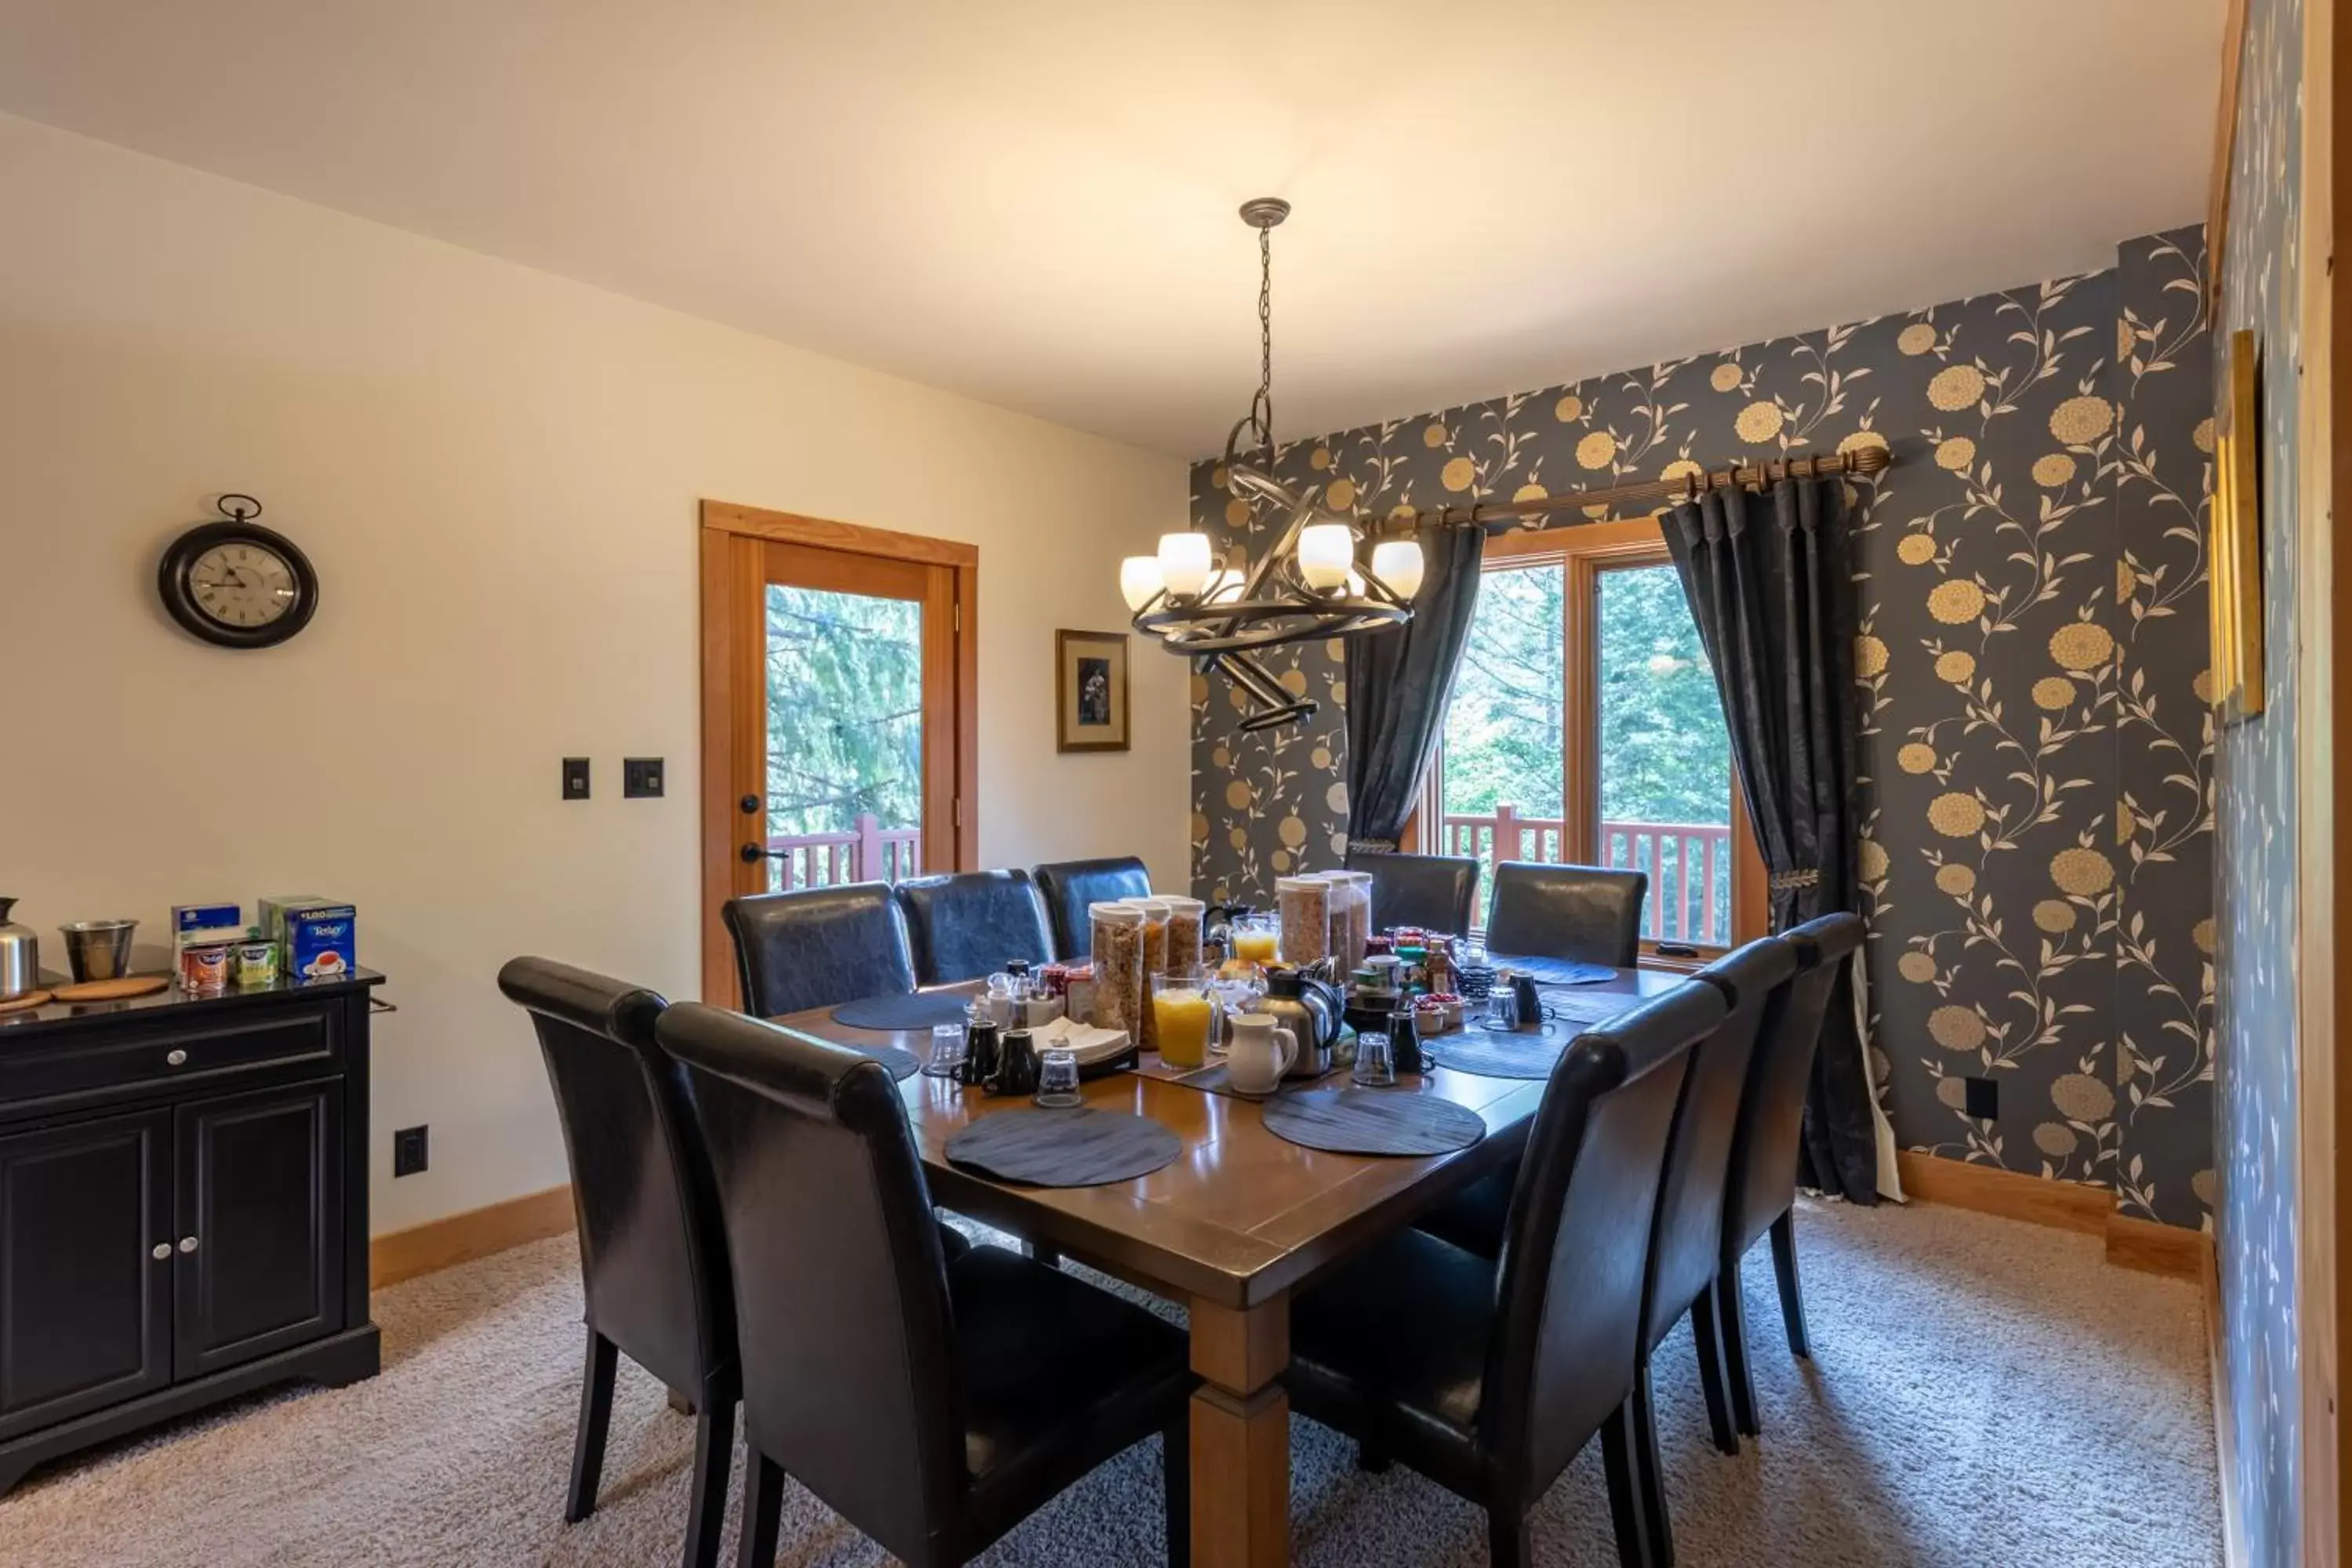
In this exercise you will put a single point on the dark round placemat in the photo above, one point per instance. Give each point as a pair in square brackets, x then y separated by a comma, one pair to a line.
[1352, 1120]
[1078, 1147]
[1499, 1053]
[1554, 971]
[901, 1063]
[918, 1010]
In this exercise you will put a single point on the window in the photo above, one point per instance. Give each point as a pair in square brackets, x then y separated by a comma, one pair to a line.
[1585, 727]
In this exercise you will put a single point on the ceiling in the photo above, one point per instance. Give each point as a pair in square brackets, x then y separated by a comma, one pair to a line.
[1032, 202]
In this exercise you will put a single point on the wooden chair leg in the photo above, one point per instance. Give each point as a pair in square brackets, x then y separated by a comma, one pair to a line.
[1732, 1320]
[763, 1512]
[1176, 1482]
[714, 1454]
[1509, 1542]
[1705, 1335]
[1625, 1489]
[1650, 1472]
[595, 1416]
[1792, 1296]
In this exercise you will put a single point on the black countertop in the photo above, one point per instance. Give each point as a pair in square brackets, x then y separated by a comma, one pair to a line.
[61, 1017]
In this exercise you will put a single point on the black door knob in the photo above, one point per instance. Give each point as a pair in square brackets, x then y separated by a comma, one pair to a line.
[750, 803]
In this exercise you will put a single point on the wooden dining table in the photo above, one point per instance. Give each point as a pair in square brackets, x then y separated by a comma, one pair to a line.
[1238, 1222]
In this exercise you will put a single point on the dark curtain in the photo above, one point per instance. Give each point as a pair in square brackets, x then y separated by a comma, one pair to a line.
[1770, 582]
[1398, 681]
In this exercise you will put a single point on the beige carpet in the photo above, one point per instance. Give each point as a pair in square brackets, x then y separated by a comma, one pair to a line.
[1985, 1392]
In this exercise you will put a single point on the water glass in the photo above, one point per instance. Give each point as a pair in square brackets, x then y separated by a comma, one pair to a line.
[1502, 1006]
[1057, 1077]
[1375, 1065]
[949, 1046]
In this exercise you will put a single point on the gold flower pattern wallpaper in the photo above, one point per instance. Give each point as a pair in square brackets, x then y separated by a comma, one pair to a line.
[2036, 759]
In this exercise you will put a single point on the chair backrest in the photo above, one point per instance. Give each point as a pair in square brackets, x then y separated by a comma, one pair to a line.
[818, 946]
[1763, 1182]
[1587, 914]
[966, 924]
[1576, 1247]
[1069, 886]
[1433, 891]
[1686, 1247]
[653, 1260]
[850, 1380]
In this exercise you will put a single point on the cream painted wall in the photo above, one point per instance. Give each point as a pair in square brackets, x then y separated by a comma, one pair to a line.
[496, 473]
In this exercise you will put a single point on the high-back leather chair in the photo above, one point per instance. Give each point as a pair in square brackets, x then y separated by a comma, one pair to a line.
[1431, 891]
[817, 947]
[1069, 886]
[1586, 914]
[965, 925]
[919, 1396]
[1761, 1193]
[1687, 1236]
[1488, 1375]
[653, 1259]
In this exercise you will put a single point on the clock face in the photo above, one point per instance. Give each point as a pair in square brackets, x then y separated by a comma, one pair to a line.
[241, 584]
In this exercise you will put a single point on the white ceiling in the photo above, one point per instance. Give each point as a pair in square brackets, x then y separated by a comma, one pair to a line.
[1032, 202]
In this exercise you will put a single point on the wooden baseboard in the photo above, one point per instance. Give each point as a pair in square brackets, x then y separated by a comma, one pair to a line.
[2131, 1243]
[438, 1243]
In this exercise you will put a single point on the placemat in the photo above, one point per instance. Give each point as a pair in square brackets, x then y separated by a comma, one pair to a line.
[1079, 1147]
[1351, 1121]
[1587, 1008]
[1554, 971]
[918, 1010]
[1500, 1053]
[901, 1063]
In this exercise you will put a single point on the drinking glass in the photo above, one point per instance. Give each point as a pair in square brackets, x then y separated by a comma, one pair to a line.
[1057, 1077]
[1502, 1006]
[1375, 1066]
[949, 1049]
[1255, 938]
[1183, 1015]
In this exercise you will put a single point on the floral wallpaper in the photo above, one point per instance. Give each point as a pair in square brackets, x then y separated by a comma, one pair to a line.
[2256, 1126]
[2036, 764]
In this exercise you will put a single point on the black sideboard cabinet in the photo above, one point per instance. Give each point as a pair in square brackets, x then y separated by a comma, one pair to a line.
[184, 1207]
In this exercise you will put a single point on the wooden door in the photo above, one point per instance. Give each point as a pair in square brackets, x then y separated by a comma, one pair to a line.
[85, 1304]
[260, 1259]
[893, 624]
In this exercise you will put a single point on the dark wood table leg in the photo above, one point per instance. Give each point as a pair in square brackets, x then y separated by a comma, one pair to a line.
[1241, 1435]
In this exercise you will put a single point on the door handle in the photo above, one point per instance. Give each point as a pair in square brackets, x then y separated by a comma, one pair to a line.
[754, 854]
[160, 1251]
[188, 1244]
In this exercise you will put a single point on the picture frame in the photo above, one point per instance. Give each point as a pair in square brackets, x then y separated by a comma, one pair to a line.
[2234, 550]
[1090, 710]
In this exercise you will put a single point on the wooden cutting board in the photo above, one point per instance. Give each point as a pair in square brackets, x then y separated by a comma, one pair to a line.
[30, 999]
[113, 990]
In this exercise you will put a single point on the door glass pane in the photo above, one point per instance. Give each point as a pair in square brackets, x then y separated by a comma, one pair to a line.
[845, 738]
[1665, 757]
[1504, 738]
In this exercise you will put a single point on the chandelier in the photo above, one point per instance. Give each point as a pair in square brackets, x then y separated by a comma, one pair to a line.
[1329, 573]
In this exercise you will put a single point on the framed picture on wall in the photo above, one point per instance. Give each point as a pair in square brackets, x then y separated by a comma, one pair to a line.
[1090, 691]
[2235, 550]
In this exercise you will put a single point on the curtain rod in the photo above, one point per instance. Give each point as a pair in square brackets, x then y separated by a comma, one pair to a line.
[1530, 516]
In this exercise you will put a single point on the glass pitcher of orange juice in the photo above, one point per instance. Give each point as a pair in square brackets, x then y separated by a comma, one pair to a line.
[1183, 1016]
[1255, 938]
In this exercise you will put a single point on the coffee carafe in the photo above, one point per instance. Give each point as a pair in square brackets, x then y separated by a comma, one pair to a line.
[1310, 1009]
[20, 954]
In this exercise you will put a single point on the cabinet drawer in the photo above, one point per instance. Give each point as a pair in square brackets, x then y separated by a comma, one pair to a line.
[285, 1036]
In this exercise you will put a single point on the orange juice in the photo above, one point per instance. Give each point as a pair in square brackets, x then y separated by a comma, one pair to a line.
[1181, 1018]
[1255, 946]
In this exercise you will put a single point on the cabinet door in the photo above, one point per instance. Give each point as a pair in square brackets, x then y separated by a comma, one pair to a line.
[85, 1304]
[260, 1257]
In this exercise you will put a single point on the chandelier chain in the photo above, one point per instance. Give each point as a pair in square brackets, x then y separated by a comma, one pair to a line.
[1265, 339]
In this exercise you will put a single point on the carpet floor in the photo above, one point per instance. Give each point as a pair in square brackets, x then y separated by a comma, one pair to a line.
[1983, 1392]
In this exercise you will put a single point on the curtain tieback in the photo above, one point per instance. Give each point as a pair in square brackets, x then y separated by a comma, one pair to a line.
[1784, 881]
[1372, 846]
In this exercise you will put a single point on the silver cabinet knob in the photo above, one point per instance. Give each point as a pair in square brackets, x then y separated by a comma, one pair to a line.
[175, 1058]
[161, 1250]
[188, 1244]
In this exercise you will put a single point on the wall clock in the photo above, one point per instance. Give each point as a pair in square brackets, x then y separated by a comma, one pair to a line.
[235, 583]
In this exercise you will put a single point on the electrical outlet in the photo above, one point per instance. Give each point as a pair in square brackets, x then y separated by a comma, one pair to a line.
[409, 1151]
[640, 778]
[575, 778]
[1982, 1098]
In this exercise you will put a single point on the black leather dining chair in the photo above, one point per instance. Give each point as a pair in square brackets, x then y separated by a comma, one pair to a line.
[934, 1402]
[653, 1260]
[1069, 886]
[1586, 914]
[1489, 1376]
[1760, 1195]
[1431, 891]
[817, 947]
[966, 924]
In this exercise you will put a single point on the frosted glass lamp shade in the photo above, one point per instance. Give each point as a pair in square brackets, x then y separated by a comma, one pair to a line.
[1138, 579]
[1184, 563]
[1397, 562]
[1225, 584]
[1325, 551]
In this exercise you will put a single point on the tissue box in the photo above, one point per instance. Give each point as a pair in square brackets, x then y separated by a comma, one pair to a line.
[186, 918]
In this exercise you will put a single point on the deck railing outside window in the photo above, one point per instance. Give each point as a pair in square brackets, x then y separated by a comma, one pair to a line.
[1689, 865]
[867, 852]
